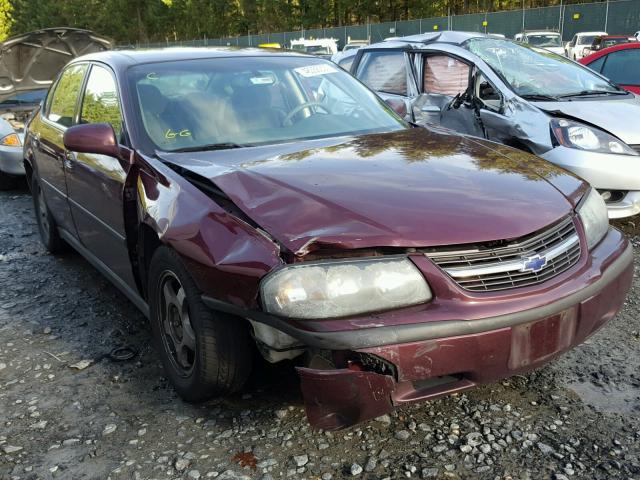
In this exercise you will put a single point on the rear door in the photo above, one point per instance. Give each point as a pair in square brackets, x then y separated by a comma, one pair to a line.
[96, 182]
[388, 72]
[59, 114]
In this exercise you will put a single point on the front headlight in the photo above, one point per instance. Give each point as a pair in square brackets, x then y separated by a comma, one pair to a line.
[595, 220]
[342, 288]
[11, 140]
[577, 135]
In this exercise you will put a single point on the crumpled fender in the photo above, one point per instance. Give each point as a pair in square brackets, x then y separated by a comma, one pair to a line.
[226, 256]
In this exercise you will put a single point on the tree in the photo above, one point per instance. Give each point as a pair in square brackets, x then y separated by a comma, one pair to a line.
[6, 19]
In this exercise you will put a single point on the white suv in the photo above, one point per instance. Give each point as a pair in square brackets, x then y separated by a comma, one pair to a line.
[575, 49]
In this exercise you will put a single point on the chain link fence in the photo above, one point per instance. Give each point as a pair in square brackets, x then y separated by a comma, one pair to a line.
[614, 17]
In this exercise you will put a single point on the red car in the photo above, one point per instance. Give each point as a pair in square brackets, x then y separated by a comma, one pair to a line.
[249, 199]
[620, 64]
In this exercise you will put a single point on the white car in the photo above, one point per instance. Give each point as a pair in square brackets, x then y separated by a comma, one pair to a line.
[547, 39]
[637, 35]
[575, 49]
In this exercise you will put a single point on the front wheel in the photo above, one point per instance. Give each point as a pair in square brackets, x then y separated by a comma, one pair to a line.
[204, 353]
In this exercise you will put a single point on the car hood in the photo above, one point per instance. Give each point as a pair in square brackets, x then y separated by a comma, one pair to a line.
[32, 61]
[618, 116]
[411, 188]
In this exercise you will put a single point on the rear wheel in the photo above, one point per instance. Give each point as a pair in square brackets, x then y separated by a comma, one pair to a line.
[46, 223]
[204, 353]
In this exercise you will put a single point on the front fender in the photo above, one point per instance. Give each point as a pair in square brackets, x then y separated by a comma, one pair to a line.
[226, 256]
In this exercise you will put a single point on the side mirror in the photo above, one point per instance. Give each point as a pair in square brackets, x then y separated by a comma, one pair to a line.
[397, 106]
[96, 138]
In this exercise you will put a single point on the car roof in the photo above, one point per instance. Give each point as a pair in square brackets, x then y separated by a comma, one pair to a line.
[545, 32]
[425, 39]
[126, 58]
[580, 34]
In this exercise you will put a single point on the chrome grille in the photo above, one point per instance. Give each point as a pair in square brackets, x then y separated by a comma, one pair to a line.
[527, 261]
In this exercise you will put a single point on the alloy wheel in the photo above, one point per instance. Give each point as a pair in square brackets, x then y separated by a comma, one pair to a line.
[178, 336]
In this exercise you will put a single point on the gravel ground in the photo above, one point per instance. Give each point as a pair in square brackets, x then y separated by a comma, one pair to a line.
[576, 418]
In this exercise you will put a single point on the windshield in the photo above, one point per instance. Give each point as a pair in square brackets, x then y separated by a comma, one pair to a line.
[317, 49]
[586, 40]
[546, 40]
[243, 101]
[610, 42]
[32, 97]
[535, 72]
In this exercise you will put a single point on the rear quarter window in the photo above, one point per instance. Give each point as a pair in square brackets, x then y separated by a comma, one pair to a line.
[384, 72]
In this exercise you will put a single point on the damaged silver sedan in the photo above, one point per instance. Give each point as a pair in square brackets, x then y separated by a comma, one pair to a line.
[519, 95]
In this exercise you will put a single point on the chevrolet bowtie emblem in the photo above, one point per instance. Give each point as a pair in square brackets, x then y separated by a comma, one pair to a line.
[533, 264]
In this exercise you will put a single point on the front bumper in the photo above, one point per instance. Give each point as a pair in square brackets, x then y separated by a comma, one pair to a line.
[605, 172]
[430, 359]
[11, 160]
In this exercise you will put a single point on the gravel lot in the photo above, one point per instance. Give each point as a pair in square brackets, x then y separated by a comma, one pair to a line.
[577, 418]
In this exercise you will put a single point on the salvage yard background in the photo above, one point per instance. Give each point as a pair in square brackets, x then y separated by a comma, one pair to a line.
[576, 418]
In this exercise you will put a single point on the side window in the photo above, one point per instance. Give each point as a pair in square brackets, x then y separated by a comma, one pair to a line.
[100, 103]
[347, 62]
[488, 94]
[445, 75]
[384, 72]
[65, 96]
[596, 65]
[623, 67]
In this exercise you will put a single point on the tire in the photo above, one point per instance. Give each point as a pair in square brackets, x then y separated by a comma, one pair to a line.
[204, 353]
[8, 182]
[46, 223]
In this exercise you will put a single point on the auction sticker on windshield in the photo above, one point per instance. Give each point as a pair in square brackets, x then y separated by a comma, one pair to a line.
[315, 70]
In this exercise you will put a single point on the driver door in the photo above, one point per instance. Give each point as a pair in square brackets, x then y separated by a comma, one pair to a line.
[446, 94]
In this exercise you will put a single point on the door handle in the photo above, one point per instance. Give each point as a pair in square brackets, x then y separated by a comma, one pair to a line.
[69, 159]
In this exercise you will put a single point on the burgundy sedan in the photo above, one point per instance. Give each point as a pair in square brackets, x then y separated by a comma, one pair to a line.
[620, 64]
[249, 199]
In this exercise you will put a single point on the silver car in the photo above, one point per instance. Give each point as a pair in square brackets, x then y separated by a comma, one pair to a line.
[28, 64]
[519, 95]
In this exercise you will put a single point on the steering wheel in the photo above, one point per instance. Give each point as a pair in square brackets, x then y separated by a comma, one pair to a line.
[302, 106]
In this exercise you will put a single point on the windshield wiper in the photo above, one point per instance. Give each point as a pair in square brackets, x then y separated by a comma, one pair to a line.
[539, 97]
[586, 93]
[209, 147]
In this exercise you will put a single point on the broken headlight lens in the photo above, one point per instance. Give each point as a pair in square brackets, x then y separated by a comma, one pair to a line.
[342, 288]
[594, 216]
[577, 135]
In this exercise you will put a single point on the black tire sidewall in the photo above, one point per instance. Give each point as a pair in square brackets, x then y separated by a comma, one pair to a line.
[50, 237]
[203, 382]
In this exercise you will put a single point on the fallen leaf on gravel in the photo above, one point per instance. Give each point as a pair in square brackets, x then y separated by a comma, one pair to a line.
[245, 459]
[82, 364]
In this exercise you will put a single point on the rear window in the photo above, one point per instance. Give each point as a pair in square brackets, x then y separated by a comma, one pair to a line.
[384, 72]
